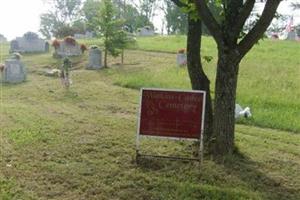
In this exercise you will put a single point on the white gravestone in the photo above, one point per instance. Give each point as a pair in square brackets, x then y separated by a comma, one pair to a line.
[292, 35]
[14, 71]
[181, 59]
[95, 58]
[145, 31]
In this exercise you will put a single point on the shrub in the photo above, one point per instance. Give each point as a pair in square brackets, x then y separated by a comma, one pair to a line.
[181, 50]
[83, 48]
[56, 44]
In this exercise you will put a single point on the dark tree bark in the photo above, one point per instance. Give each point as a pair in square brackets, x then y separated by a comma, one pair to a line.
[230, 53]
[225, 95]
[199, 80]
[122, 57]
[105, 58]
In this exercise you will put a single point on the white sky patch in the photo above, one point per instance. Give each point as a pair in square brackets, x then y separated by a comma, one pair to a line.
[285, 9]
[19, 16]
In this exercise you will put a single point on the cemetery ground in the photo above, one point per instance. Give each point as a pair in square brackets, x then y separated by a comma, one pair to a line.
[80, 143]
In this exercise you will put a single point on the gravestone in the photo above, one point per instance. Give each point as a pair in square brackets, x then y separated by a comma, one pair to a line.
[14, 46]
[86, 35]
[95, 58]
[29, 43]
[47, 47]
[292, 35]
[66, 49]
[14, 71]
[181, 59]
[2, 39]
[145, 31]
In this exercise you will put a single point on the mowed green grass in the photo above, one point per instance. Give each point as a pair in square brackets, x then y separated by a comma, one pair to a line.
[80, 144]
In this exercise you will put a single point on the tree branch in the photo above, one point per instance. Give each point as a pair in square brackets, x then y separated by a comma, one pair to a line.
[259, 29]
[243, 16]
[178, 3]
[210, 21]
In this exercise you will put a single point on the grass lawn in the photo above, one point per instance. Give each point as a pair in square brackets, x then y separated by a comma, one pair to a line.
[80, 144]
[268, 83]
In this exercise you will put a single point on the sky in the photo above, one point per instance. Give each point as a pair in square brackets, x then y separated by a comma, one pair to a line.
[285, 9]
[20, 16]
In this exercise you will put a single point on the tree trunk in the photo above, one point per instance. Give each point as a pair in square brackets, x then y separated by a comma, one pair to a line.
[122, 57]
[198, 78]
[105, 58]
[224, 107]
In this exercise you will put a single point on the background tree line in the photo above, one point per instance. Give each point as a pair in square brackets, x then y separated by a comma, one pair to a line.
[67, 17]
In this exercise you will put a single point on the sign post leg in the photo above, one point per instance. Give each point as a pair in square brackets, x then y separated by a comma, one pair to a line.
[201, 149]
[137, 149]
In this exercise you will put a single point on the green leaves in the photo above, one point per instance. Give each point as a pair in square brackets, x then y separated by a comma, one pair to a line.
[59, 20]
[190, 9]
[110, 28]
[208, 59]
[215, 6]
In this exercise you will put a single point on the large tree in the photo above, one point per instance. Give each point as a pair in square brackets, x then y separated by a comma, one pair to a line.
[90, 10]
[176, 21]
[59, 20]
[133, 16]
[231, 50]
[147, 8]
[295, 6]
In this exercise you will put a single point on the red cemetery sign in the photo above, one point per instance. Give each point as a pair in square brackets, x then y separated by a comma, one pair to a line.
[177, 114]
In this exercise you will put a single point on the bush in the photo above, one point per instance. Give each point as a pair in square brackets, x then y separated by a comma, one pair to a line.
[181, 50]
[83, 48]
[56, 44]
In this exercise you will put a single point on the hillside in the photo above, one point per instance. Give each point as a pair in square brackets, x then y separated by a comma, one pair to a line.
[80, 144]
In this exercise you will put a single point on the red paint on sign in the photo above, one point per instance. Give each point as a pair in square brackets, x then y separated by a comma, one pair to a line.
[171, 113]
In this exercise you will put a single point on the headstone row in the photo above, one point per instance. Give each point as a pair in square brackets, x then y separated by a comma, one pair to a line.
[29, 43]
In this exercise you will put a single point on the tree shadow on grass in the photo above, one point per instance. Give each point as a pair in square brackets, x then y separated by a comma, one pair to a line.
[156, 163]
[249, 172]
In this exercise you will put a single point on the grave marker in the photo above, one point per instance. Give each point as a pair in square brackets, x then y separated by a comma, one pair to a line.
[67, 48]
[95, 58]
[14, 71]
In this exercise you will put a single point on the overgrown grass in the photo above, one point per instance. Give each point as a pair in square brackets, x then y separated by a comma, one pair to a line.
[80, 143]
[268, 80]
[4, 49]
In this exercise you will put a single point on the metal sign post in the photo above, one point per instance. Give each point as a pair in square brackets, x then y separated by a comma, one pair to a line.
[171, 114]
